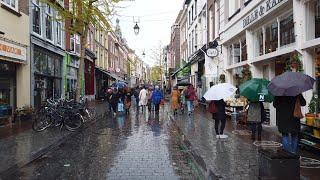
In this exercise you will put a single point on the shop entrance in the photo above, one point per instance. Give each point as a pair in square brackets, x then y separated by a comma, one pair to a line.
[46, 88]
[7, 84]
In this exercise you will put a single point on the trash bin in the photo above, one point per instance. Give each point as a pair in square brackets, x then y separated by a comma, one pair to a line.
[278, 164]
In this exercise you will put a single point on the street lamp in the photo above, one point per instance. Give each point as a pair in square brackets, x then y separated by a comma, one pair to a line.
[143, 54]
[136, 29]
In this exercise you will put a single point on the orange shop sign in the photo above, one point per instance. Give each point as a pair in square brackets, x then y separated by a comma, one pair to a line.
[14, 51]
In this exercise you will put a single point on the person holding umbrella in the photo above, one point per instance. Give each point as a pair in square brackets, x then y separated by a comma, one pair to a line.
[217, 106]
[256, 91]
[287, 89]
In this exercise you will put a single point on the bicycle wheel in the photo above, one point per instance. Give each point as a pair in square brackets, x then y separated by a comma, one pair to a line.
[73, 122]
[87, 114]
[41, 122]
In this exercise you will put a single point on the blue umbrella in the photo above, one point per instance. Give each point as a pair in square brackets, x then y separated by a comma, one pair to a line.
[119, 85]
[290, 84]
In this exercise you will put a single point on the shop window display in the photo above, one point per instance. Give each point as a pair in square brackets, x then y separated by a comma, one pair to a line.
[287, 35]
[271, 37]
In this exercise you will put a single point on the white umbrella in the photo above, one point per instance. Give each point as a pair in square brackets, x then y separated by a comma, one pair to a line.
[220, 91]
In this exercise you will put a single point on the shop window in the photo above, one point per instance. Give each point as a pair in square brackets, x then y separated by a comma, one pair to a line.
[36, 17]
[287, 35]
[244, 53]
[236, 52]
[48, 21]
[259, 43]
[57, 69]
[50, 66]
[271, 37]
[317, 19]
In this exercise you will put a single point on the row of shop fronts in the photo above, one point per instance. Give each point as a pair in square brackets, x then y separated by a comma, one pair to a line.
[262, 39]
[51, 74]
[267, 37]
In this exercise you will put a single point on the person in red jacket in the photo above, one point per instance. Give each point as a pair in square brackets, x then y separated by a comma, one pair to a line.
[190, 95]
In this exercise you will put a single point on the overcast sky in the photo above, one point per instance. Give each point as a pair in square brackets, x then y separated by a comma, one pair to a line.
[156, 18]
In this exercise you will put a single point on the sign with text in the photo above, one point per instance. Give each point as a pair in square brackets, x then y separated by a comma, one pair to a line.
[13, 51]
[264, 8]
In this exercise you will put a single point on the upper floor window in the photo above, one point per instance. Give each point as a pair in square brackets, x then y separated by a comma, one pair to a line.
[234, 5]
[59, 33]
[11, 3]
[75, 44]
[36, 17]
[192, 12]
[48, 21]
[271, 37]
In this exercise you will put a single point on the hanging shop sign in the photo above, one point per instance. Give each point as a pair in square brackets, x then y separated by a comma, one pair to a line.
[14, 51]
[263, 9]
[212, 52]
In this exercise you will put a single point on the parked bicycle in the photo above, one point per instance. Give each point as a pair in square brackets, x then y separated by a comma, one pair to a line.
[60, 113]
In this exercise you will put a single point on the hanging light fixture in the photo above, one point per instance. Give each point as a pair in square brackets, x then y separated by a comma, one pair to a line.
[136, 29]
[143, 54]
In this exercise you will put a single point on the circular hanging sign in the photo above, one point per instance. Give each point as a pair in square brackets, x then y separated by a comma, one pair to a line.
[212, 52]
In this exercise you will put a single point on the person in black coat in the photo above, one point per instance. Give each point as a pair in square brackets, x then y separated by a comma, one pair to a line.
[220, 118]
[114, 99]
[288, 125]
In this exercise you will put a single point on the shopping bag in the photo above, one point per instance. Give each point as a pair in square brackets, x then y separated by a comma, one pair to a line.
[212, 107]
[120, 107]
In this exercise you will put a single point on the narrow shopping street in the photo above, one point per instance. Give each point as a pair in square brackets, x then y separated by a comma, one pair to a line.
[137, 146]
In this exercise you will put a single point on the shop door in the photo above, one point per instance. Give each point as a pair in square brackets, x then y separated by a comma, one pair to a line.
[5, 91]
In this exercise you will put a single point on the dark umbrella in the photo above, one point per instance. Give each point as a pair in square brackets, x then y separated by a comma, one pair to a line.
[119, 85]
[183, 84]
[256, 90]
[290, 84]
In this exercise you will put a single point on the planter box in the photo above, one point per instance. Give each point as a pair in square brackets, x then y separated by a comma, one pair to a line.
[278, 164]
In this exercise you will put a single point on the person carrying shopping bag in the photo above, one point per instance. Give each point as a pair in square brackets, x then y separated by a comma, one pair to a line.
[288, 115]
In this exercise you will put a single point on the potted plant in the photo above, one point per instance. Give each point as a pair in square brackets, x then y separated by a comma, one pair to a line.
[310, 116]
[294, 64]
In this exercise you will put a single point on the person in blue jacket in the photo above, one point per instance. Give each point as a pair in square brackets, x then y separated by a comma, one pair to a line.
[157, 97]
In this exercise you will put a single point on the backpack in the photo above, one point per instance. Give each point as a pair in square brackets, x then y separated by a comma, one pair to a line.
[187, 94]
[212, 107]
[157, 97]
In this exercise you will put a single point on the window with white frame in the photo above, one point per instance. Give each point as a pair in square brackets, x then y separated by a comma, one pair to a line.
[234, 5]
[48, 22]
[196, 38]
[59, 33]
[11, 3]
[36, 17]
[237, 51]
[271, 37]
[75, 44]
[287, 35]
[259, 42]
[317, 19]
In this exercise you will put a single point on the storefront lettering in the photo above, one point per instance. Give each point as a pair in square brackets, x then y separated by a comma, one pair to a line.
[260, 11]
[13, 50]
[10, 49]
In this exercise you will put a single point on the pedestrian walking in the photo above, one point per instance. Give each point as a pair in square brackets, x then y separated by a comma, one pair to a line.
[127, 101]
[191, 96]
[175, 100]
[157, 97]
[107, 97]
[143, 98]
[220, 118]
[150, 90]
[256, 116]
[136, 96]
[288, 115]
[114, 99]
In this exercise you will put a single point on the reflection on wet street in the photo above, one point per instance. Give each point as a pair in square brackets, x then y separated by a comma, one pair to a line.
[125, 147]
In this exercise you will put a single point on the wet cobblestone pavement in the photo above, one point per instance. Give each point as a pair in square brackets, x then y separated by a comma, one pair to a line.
[237, 156]
[126, 147]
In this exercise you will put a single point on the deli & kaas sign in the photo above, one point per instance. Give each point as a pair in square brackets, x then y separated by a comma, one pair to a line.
[260, 11]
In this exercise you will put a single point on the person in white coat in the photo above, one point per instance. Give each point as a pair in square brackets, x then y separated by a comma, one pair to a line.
[143, 98]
